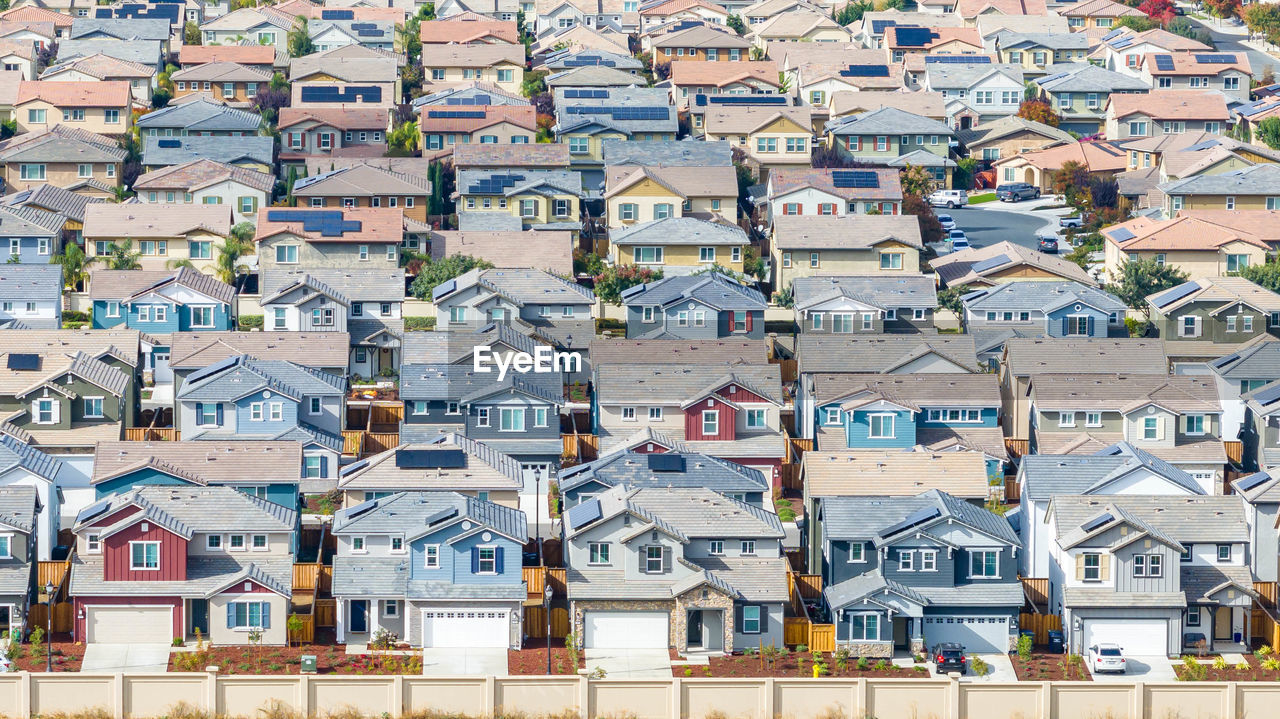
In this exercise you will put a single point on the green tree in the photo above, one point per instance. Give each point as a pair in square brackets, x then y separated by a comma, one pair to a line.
[735, 23]
[191, 34]
[915, 180]
[427, 11]
[278, 82]
[1135, 23]
[852, 12]
[966, 170]
[1139, 279]
[950, 299]
[1265, 275]
[434, 272]
[300, 39]
[1269, 132]
[122, 256]
[614, 280]
[534, 83]
[1072, 182]
[784, 83]
[404, 138]
[228, 265]
[75, 266]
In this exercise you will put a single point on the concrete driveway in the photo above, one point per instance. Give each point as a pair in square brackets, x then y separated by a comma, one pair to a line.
[452, 662]
[1141, 669]
[140, 658]
[1000, 669]
[630, 663]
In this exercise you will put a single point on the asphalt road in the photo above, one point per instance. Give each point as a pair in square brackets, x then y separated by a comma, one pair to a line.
[987, 227]
[1228, 42]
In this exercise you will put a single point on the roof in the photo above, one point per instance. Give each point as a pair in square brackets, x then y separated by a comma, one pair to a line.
[1041, 295]
[1192, 231]
[680, 231]
[142, 51]
[685, 181]
[1195, 519]
[131, 28]
[975, 264]
[868, 517]
[345, 69]
[215, 461]
[188, 510]
[786, 180]
[894, 473]
[54, 199]
[1097, 156]
[128, 285]
[1221, 292]
[361, 180]
[414, 514]
[721, 352]
[1125, 393]
[923, 103]
[1261, 179]
[701, 36]
[625, 109]
[243, 375]
[798, 23]
[359, 224]
[1259, 360]
[222, 72]
[712, 288]
[103, 67]
[140, 220]
[720, 74]
[61, 144]
[75, 93]
[1171, 105]
[1194, 63]
[341, 118]
[202, 114]
[545, 250]
[356, 284]
[694, 470]
[886, 121]
[504, 155]
[1087, 77]
[881, 353]
[430, 120]
[1003, 127]
[322, 350]
[201, 173]
[30, 222]
[1044, 476]
[965, 75]
[1033, 356]
[643, 383]
[1098, 8]
[469, 30]
[259, 149]
[667, 153]
[243, 54]
[485, 468]
[481, 55]
[524, 286]
[844, 232]
[884, 291]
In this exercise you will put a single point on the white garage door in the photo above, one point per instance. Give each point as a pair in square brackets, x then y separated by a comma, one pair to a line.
[626, 630]
[984, 635]
[466, 628]
[1137, 637]
[130, 625]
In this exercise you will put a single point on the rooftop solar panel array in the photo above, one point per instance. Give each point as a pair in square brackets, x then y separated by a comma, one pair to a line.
[1252, 481]
[346, 93]
[915, 36]
[1176, 293]
[473, 100]
[431, 459]
[328, 223]
[855, 178]
[1122, 234]
[455, 114]
[1215, 59]
[990, 263]
[742, 99]
[337, 15]
[958, 59]
[576, 94]
[865, 71]
[1164, 62]
[494, 184]
[588, 60]
[622, 113]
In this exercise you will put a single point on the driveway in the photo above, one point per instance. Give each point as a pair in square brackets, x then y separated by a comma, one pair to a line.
[452, 662]
[1142, 669]
[1000, 669]
[987, 227]
[139, 658]
[630, 663]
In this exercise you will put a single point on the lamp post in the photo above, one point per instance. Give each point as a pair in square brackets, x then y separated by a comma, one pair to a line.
[48, 626]
[546, 609]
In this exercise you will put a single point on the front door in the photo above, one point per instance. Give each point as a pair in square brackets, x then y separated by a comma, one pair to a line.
[900, 632]
[199, 614]
[1222, 624]
[695, 629]
[359, 616]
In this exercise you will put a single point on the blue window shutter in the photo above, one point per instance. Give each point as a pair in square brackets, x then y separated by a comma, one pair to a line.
[324, 466]
[475, 560]
[231, 615]
[199, 411]
[1065, 329]
[266, 615]
[497, 554]
[1090, 325]
[219, 412]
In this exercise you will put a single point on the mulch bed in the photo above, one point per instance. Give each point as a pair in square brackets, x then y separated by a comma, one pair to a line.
[797, 665]
[331, 658]
[67, 656]
[1043, 666]
[532, 659]
[1255, 672]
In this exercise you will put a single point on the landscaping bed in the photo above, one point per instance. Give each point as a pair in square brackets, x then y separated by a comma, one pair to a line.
[796, 664]
[1264, 668]
[330, 659]
[67, 657]
[532, 659]
[1042, 666]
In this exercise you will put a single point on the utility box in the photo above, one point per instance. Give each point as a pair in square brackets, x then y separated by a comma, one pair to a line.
[308, 663]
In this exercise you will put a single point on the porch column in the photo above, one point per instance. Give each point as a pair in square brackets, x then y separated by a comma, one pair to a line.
[375, 610]
[339, 619]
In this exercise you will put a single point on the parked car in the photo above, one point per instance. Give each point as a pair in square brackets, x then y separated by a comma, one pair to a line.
[958, 240]
[1077, 221]
[949, 657]
[1016, 191]
[947, 222]
[1048, 244]
[1106, 658]
[949, 199]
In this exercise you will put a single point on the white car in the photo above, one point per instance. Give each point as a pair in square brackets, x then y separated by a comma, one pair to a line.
[947, 222]
[1106, 658]
[958, 240]
[950, 199]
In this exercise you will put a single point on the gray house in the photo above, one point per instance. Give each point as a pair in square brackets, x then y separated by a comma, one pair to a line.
[199, 117]
[252, 151]
[703, 306]
[1204, 319]
[1250, 368]
[31, 235]
[1039, 308]
[661, 468]
[535, 302]
[674, 567]
[18, 507]
[1261, 493]
[913, 572]
[31, 295]
[864, 303]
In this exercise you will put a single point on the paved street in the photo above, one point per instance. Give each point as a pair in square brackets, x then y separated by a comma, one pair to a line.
[1229, 38]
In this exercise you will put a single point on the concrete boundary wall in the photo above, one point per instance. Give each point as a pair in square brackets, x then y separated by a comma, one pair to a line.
[142, 696]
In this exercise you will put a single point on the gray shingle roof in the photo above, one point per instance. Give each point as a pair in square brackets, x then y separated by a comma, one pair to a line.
[632, 469]
[965, 75]
[133, 28]
[408, 513]
[888, 121]
[1197, 519]
[866, 584]
[245, 375]
[1028, 356]
[1260, 179]
[1044, 476]
[866, 517]
[1087, 77]
[1041, 295]
[911, 390]
[668, 153]
[54, 199]
[352, 285]
[255, 148]
[194, 350]
[15, 453]
[886, 291]
[472, 182]
[525, 286]
[147, 52]
[711, 288]
[629, 97]
[18, 507]
[457, 382]
[1199, 582]
[31, 282]
[667, 384]
[60, 144]
[1258, 361]
[831, 353]
[680, 231]
[206, 576]
[203, 462]
[127, 285]
[202, 115]
[190, 510]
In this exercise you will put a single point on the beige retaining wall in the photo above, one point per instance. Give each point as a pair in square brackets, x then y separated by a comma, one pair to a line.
[152, 695]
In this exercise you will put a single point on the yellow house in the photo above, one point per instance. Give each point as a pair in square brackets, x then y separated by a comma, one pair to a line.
[679, 245]
[771, 136]
[1097, 14]
[1206, 243]
[65, 156]
[158, 233]
[812, 245]
[640, 194]
[96, 106]
[496, 64]
[532, 199]
[798, 25]
[1252, 188]
[586, 118]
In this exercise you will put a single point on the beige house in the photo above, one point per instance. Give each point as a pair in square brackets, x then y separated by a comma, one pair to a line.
[771, 136]
[1008, 137]
[322, 79]
[497, 64]
[157, 233]
[1165, 112]
[639, 194]
[1201, 243]
[1005, 262]
[105, 68]
[800, 25]
[1256, 187]
[230, 82]
[65, 156]
[206, 182]
[101, 107]
[695, 77]
[366, 237]
[807, 246]
[679, 245]
[1097, 15]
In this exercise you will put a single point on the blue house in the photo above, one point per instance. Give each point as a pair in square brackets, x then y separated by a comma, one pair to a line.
[30, 234]
[939, 412]
[661, 468]
[243, 398]
[705, 306]
[161, 302]
[269, 470]
[440, 569]
[1036, 308]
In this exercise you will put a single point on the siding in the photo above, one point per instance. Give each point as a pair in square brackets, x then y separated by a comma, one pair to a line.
[173, 555]
[693, 420]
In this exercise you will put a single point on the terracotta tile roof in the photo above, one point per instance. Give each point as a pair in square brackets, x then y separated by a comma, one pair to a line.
[1200, 230]
[377, 224]
[1171, 105]
[104, 67]
[973, 8]
[43, 29]
[202, 173]
[471, 55]
[746, 119]
[693, 181]
[243, 54]
[465, 31]
[75, 93]
[1100, 8]
[143, 221]
[476, 155]
[719, 74]
[942, 35]
[522, 115]
[20, 48]
[33, 13]
[1097, 156]
[342, 118]
[1189, 63]
[672, 7]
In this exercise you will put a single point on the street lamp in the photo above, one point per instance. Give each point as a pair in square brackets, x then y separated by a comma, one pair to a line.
[546, 609]
[48, 626]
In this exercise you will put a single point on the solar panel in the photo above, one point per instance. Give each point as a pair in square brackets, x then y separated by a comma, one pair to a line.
[337, 14]
[346, 93]
[212, 369]
[990, 262]
[866, 71]
[578, 94]
[1266, 395]
[914, 519]
[666, 462]
[170, 143]
[1215, 59]
[1122, 234]
[958, 59]
[1176, 293]
[431, 459]
[351, 468]
[443, 289]
[914, 36]
[452, 114]
[370, 32]
[855, 179]
[93, 510]
[329, 223]
[362, 508]
[878, 26]
[1252, 481]
[1164, 62]
[1122, 43]
[1099, 521]
[585, 513]
[440, 516]
[24, 362]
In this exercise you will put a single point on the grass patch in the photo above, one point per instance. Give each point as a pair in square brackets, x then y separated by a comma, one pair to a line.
[980, 199]
[419, 324]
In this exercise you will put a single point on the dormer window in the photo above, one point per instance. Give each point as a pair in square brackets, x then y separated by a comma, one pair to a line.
[1224, 552]
[1091, 565]
[653, 560]
[928, 560]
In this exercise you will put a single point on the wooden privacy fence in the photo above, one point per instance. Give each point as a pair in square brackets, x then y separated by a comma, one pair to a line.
[326, 612]
[1235, 451]
[312, 578]
[1041, 624]
[1012, 493]
[789, 475]
[63, 616]
[1035, 590]
[151, 434]
[581, 447]
[536, 579]
[809, 585]
[535, 622]
[305, 632]
[818, 637]
[1017, 447]
[50, 573]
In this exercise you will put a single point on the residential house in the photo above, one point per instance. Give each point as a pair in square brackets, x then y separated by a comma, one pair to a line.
[669, 244]
[581, 37]
[468, 93]
[587, 119]
[254, 152]
[1102, 158]
[591, 76]
[161, 302]
[262, 57]
[161, 562]
[1210, 317]
[1167, 112]
[1261, 509]
[450, 462]
[366, 185]
[332, 131]
[695, 570]
[207, 182]
[339, 238]
[200, 116]
[658, 464]
[478, 297]
[848, 245]
[374, 34]
[1086, 97]
[33, 237]
[1035, 52]
[895, 138]
[94, 106]
[127, 29]
[365, 303]
[155, 233]
[1228, 73]
[828, 304]
[694, 77]
[1249, 368]
[975, 92]
[119, 467]
[1122, 50]
[871, 29]
[190, 352]
[497, 64]
[711, 43]
[973, 10]
[144, 52]
[1039, 308]
[537, 249]
[48, 479]
[488, 124]
[800, 25]
[529, 199]
[1025, 357]
[31, 295]
[841, 70]
[921, 102]
[772, 136]
[33, 14]
[436, 568]
[65, 156]
[265, 26]
[694, 306]
[468, 31]
[1096, 15]
[639, 194]
[19, 507]
[911, 573]
[1251, 188]
[1174, 417]
[678, 11]
[326, 80]
[835, 192]
[569, 59]
[1185, 558]
[1009, 136]
[903, 41]
[667, 153]
[104, 68]
[228, 81]
[1201, 243]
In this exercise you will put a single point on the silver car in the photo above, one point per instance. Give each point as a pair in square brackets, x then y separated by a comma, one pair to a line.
[1106, 658]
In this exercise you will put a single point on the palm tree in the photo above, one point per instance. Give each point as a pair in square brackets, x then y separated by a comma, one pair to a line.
[121, 256]
[75, 270]
[228, 266]
[177, 263]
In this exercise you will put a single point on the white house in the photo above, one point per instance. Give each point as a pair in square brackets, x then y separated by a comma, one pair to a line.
[24, 465]
[976, 93]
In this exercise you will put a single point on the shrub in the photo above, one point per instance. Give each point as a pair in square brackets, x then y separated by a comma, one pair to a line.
[979, 666]
[862, 664]
[419, 324]
[1192, 670]
[1263, 651]
[1271, 664]
[1220, 664]
[1243, 667]
[1024, 647]
[250, 322]
[74, 316]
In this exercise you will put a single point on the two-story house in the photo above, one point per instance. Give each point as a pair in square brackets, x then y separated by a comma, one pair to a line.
[1249, 368]
[895, 138]
[66, 156]
[328, 79]
[448, 463]
[710, 43]
[587, 118]
[1228, 73]
[1039, 308]
[191, 352]
[333, 238]
[807, 246]
[201, 116]
[1202, 243]
[1206, 318]
[163, 562]
[18, 507]
[156, 234]
[229, 81]
[31, 296]
[975, 92]
[772, 133]
[365, 184]
[825, 191]
[694, 306]
[263, 26]
[1082, 94]
[910, 573]
[654, 464]
[695, 77]
[436, 568]
[206, 182]
[1036, 51]
[95, 106]
[333, 131]
[104, 68]
[485, 124]
[640, 194]
[479, 297]
[1262, 508]
[841, 304]
[277, 467]
[1156, 575]
[499, 64]
[526, 199]
[46, 478]
[1165, 112]
[674, 567]
[252, 151]
[161, 302]
[679, 245]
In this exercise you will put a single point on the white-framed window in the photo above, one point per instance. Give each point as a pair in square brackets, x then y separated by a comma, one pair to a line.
[710, 422]
[628, 414]
[93, 408]
[1224, 552]
[750, 619]
[857, 552]
[248, 615]
[984, 564]
[311, 466]
[928, 560]
[1092, 565]
[487, 560]
[864, 627]
[144, 556]
[598, 553]
[1093, 419]
[431, 556]
[258, 543]
[511, 419]
[1148, 565]
[655, 414]
[93, 543]
[831, 415]
[906, 560]
[653, 559]
[1066, 419]
[390, 608]
[1195, 424]
[357, 544]
[756, 418]
[482, 416]
[749, 547]
[1151, 428]
[882, 426]
[715, 547]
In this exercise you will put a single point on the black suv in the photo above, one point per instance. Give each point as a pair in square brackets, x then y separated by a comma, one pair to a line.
[1015, 191]
[949, 657]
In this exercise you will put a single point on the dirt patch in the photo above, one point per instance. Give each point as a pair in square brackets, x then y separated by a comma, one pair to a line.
[1044, 666]
[799, 665]
[330, 659]
[532, 659]
[1219, 670]
[67, 657]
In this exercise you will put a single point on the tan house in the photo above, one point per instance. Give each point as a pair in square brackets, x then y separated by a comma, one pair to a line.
[206, 182]
[471, 30]
[1228, 73]
[771, 136]
[158, 233]
[101, 67]
[366, 185]
[370, 237]
[1036, 167]
[338, 131]
[701, 42]
[640, 194]
[1097, 14]
[971, 10]
[901, 42]
[668, 11]
[679, 245]
[235, 84]
[1005, 262]
[1008, 137]
[1256, 187]
[326, 80]
[1165, 112]
[924, 103]
[65, 156]
[262, 57]
[1205, 243]
[801, 25]
[808, 246]
[690, 77]
[498, 64]
[101, 107]
[485, 124]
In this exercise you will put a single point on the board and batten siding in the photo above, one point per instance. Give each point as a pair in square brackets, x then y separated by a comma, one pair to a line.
[116, 557]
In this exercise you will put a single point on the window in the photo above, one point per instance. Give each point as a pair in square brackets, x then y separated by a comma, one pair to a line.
[277, 411]
[655, 414]
[200, 250]
[756, 418]
[864, 627]
[598, 553]
[891, 261]
[1231, 203]
[431, 554]
[364, 252]
[786, 259]
[826, 208]
[248, 615]
[144, 556]
[579, 145]
[1195, 424]
[1235, 263]
[457, 315]
[647, 255]
[312, 467]
[706, 254]
[662, 210]
[1151, 428]
[258, 542]
[653, 560]
[882, 426]
[113, 309]
[1246, 323]
[287, 254]
[1193, 617]
[202, 316]
[1092, 567]
[1190, 326]
[815, 260]
[482, 416]
[93, 543]
[207, 415]
[749, 547]
[710, 422]
[796, 144]
[832, 415]
[1077, 326]
[76, 115]
[540, 417]
[750, 619]
[511, 419]
[506, 75]
[628, 414]
[31, 172]
[93, 408]
[1093, 419]
[928, 560]
[906, 561]
[213, 542]
[1224, 552]
[983, 564]
[715, 547]
[528, 208]
[36, 117]
[766, 144]
[1148, 565]
[1138, 129]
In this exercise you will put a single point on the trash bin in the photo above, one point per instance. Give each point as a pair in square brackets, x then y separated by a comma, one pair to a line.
[308, 663]
[1056, 643]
